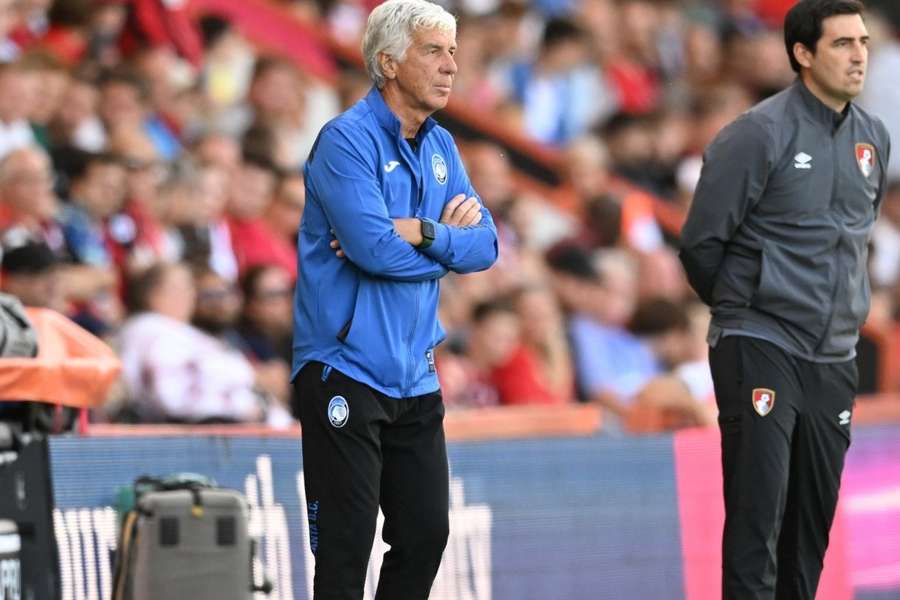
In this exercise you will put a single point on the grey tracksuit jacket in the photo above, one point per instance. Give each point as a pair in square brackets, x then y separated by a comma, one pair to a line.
[776, 240]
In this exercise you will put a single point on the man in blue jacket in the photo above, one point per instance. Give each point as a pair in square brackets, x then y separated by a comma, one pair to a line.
[389, 211]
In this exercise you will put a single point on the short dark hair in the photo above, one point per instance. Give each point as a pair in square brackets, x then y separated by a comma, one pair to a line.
[143, 284]
[559, 31]
[658, 316]
[803, 22]
[570, 258]
[486, 309]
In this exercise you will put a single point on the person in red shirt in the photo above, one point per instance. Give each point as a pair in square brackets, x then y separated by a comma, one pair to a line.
[253, 240]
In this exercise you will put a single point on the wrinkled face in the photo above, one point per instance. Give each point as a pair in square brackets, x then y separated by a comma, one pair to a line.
[837, 70]
[424, 77]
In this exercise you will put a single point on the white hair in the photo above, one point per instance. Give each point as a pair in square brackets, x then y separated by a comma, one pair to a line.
[391, 26]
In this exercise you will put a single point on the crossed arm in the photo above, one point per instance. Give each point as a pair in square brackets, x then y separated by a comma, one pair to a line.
[459, 212]
[339, 173]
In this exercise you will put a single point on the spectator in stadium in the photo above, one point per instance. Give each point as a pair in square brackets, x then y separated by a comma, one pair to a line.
[227, 65]
[218, 149]
[635, 68]
[125, 103]
[32, 22]
[197, 201]
[558, 94]
[174, 372]
[493, 336]
[98, 191]
[501, 365]
[76, 122]
[682, 393]
[387, 183]
[15, 101]
[266, 321]
[218, 307]
[48, 83]
[524, 221]
[540, 371]
[9, 50]
[252, 239]
[284, 213]
[27, 201]
[28, 212]
[29, 272]
[284, 101]
[615, 214]
[611, 364]
[776, 243]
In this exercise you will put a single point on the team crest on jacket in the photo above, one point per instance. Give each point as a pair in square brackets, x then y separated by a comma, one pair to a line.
[763, 400]
[439, 167]
[338, 411]
[865, 158]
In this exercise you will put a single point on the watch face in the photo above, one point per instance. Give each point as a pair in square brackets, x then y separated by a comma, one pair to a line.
[428, 230]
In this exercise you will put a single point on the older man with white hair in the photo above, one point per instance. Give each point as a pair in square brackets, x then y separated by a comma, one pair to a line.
[390, 210]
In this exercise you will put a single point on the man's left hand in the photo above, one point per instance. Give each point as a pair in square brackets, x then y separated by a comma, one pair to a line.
[462, 212]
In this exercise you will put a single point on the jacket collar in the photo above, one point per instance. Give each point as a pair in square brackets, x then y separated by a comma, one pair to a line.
[388, 120]
[818, 110]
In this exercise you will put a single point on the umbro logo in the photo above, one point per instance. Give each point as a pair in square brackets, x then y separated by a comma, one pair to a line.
[844, 418]
[803, 161]
[391, 166]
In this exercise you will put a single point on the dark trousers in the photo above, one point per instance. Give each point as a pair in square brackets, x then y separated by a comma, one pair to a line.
[382, 451]
[782, 458]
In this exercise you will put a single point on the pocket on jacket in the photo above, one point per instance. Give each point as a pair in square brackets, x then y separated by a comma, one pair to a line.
[791, 288]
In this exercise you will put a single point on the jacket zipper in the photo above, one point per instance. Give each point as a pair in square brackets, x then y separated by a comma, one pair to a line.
[838, 247]
[409, 344]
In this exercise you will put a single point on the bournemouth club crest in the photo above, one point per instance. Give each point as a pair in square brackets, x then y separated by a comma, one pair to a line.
[865, 158]
[763, 400]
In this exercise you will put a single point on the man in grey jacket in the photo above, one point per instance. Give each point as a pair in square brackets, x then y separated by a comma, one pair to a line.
[776, 243]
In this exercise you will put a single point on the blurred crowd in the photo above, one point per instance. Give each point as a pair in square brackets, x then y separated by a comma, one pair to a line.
[151, 189]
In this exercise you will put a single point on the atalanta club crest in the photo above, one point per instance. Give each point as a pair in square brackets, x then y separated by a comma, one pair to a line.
[338, 411]
[439, 167]
[865, 158]
[763, 401]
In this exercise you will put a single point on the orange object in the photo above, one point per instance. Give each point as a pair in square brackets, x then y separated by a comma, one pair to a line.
[72, 368]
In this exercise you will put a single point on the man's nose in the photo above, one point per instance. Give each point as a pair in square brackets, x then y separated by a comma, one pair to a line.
[449, 66]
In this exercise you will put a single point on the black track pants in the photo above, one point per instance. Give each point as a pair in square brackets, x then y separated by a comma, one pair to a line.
[785, 426]
[362, 449]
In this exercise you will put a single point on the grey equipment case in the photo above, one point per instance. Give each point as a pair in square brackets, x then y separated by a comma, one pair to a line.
[186, 544]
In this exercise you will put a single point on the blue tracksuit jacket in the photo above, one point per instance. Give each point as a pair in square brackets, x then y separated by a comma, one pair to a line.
[373, 314]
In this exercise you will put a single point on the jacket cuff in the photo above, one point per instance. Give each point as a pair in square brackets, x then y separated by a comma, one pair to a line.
[441, 244]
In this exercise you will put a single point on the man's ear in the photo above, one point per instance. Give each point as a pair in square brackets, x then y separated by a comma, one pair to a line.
[803, 55]
[388, 65]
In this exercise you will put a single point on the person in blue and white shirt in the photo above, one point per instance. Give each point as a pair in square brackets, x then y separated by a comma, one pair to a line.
[389, 211]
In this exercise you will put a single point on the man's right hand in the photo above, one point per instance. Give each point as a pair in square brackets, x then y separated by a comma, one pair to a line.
[462, 212]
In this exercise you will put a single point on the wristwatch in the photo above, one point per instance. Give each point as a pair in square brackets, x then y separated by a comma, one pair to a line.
[427, 233]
